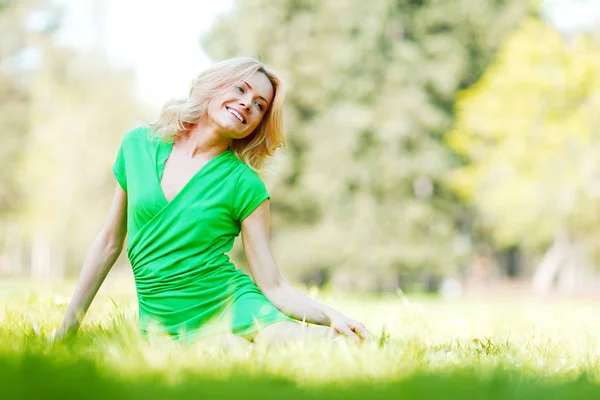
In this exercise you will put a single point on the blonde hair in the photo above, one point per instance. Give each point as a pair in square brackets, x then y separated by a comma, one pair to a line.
[178, 115]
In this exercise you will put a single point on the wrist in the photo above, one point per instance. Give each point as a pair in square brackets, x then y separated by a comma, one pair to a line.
[329, 315]
[70, 323]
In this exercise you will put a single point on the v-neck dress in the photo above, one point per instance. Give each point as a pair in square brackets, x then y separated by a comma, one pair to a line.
[186, 284]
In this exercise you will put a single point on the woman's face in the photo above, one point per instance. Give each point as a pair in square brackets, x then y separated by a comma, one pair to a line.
[238, 110]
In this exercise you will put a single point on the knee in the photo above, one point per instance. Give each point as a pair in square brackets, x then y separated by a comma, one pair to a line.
[286, 331]
[322, 332]
[280, 332]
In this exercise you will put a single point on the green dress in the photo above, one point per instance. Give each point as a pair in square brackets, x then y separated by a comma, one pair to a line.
[186, 284]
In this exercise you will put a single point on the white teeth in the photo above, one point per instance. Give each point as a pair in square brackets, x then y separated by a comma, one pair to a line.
[236, 114]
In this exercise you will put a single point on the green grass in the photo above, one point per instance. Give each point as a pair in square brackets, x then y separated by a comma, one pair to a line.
[424, 349]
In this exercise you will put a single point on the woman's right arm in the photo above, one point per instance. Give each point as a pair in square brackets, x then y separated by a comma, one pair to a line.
[100, 258]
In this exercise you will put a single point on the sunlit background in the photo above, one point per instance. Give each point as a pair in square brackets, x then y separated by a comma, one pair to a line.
[444, 147]
[159, 41]
[441, 184]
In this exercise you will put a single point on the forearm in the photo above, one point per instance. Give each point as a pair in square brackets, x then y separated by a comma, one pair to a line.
[98, 262]
[299, 306]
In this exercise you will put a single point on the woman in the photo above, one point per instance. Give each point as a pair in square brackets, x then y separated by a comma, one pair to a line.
[187, 186]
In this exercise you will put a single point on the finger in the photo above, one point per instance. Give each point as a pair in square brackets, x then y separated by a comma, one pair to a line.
[346, 330]
[362, 331]
[357, 331]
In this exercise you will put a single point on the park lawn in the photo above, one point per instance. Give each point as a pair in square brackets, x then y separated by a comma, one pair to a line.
[423, 348]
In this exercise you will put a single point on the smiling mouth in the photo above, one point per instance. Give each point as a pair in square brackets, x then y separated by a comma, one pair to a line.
[236, 115]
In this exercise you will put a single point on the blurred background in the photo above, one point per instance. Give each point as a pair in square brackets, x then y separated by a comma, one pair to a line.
[433, 146]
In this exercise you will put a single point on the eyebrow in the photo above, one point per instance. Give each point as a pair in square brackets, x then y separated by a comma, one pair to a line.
[265, 100]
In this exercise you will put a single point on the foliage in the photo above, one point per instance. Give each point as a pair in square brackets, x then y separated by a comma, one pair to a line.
[14, 96]
[63, 113]
[77, 102]
[529, 129]
[370, 92]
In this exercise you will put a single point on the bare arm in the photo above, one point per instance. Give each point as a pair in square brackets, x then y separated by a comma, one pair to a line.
[266, 274]
[100, 258]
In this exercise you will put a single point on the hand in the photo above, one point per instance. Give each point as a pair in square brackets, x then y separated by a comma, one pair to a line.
[56, 336]
[62, 333]
[349, 327]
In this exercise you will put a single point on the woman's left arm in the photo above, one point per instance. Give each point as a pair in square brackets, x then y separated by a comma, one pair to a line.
[265, 272]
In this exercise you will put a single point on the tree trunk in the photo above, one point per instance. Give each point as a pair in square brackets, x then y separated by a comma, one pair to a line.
[47, 260]
[555, 258]
[577, 275]
[12, 250]
[568, 264]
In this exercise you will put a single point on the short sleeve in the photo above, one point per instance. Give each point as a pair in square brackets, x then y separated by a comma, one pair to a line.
[119, 168]
[250, 192]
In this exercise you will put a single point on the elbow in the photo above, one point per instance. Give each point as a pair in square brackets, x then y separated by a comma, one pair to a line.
[114, 250]
[112, 245]
[272, 288]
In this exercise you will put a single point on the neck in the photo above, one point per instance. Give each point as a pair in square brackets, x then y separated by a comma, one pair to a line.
[202, 139]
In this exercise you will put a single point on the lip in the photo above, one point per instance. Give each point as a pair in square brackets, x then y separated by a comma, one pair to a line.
[243, 114]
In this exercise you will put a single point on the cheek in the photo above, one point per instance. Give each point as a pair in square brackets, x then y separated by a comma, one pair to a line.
[216, 102]
[213, 109]
[257, 121]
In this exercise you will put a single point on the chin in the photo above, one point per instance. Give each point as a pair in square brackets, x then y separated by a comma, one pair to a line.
[239, 136]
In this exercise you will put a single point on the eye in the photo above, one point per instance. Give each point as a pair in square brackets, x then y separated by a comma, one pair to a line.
[259, 105]
[240, 89]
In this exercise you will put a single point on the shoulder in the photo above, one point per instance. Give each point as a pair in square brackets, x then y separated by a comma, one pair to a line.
[245, 174]
[246, 179]
[136, 135]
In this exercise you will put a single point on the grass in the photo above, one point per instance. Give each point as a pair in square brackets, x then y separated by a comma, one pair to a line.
[424, 349]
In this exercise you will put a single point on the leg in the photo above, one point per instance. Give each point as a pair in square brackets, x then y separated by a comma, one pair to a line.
[227, 341]
[286, 331]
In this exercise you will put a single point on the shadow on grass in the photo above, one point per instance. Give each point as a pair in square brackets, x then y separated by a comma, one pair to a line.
[41, 377]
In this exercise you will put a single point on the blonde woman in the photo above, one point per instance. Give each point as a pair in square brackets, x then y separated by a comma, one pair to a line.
[187, 187]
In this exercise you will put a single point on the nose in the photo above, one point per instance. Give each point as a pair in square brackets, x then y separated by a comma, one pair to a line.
[245, 103]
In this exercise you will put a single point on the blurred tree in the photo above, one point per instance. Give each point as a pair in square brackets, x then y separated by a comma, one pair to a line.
[80, 108]
[370, 94]
[530, 128]
[20, 34]
[63, 113]
[15, 48]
